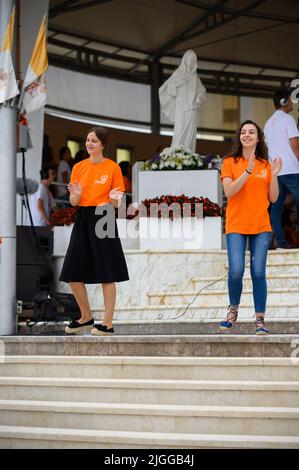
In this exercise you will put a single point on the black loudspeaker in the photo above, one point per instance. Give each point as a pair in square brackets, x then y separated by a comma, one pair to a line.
[30, 250]
[34, 262]
[32, 279]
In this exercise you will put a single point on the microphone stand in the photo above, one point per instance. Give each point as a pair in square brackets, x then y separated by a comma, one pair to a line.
[23, 205]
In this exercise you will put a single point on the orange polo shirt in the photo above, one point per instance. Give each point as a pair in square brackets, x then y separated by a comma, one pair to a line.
[97, 180]
[247, 211]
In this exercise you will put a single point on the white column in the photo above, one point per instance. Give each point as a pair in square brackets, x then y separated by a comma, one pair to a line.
[7, 202]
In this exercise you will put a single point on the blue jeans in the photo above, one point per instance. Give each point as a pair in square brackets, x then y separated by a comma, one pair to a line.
[258, 246]
[287, 183]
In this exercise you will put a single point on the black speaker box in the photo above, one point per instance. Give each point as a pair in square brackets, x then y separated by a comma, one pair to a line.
[32, 279]
[31, 252]
[34, 262]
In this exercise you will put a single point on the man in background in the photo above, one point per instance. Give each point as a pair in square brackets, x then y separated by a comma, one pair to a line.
[283, 141]
[42, 201]
[64, 175]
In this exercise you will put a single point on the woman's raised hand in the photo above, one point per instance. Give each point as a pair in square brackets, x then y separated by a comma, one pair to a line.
[75, 188]
[116, 194]
[276, 166]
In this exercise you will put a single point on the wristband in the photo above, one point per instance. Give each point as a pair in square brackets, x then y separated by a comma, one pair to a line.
[249, 172]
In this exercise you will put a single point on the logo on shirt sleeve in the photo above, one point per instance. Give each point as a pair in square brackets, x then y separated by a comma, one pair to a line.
[102, 180]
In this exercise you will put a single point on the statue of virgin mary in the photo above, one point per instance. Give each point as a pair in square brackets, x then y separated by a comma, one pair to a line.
[181, 96]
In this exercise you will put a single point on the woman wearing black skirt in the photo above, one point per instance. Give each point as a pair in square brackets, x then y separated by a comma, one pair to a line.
[95, 253]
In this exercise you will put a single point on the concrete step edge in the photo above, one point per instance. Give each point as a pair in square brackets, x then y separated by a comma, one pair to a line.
[246, 277]
[137, 308]
[218, 292]
[216, 337]
[183, 384]
[275, 264]
[193, 321]
[150, 360]
[150, 409]
[147, 438]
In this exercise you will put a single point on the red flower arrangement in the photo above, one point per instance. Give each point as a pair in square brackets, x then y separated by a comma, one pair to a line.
[182, 206]
[64, 216]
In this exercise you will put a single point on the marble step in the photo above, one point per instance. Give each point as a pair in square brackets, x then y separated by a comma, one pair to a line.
[172, 392]
[275, 267]
[217, 297]
[274, 281]
[217, 345]
[171, 327]
[183, 312]
[277, 256]
[279, 369]
[152, 418]
[283, 255]
[29, 437]
[197, 312]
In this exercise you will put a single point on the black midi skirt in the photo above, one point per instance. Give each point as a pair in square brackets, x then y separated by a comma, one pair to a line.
[95, 253]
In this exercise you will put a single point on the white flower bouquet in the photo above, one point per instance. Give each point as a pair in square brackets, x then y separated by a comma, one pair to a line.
[179, 158]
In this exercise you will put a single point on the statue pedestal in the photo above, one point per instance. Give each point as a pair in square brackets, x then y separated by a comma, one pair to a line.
[205, 183]
[180, 234]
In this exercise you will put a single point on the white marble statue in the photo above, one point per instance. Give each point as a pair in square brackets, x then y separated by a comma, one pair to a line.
[181, 96]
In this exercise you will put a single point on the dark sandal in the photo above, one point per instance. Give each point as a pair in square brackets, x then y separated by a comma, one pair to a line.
[231, 317]
[260, 327]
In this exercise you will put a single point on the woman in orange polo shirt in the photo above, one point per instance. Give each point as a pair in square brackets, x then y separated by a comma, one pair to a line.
[95, 253]
[249, 184]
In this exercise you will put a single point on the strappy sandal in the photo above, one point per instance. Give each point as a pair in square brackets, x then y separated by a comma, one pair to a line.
[231, 317]
[260, 327]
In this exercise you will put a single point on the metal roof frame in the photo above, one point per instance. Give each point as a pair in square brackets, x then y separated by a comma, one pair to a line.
[91, 60]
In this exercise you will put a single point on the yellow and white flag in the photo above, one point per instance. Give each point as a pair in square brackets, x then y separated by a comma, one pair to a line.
[8, 83]
[34, 86]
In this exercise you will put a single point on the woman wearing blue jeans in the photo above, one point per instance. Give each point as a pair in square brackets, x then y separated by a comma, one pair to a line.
[249, 184]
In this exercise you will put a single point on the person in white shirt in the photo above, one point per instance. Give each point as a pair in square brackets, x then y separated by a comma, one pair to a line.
[42, 201]
[283, 141]
[63, 174]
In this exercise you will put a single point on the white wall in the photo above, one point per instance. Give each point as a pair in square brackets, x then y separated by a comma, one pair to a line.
[98, 95]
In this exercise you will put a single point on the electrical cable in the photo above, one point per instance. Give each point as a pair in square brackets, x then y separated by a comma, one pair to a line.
[200, 290]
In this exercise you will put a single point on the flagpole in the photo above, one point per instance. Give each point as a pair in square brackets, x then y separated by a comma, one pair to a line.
[7, 200]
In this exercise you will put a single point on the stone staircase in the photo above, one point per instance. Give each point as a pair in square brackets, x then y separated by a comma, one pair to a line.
[168, 379]
[148, 402]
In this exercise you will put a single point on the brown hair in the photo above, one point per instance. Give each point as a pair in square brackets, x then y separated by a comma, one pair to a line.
[102, 134]
[261, 151]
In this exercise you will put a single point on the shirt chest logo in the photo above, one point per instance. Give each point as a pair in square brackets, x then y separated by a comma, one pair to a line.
[263, 174]
[102, 180]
